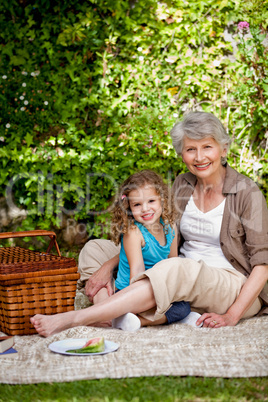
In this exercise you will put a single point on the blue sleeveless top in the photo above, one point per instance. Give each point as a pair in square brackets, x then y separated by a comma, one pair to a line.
[152, 253]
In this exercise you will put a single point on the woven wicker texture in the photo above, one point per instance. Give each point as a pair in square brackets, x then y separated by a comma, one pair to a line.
[34, 283]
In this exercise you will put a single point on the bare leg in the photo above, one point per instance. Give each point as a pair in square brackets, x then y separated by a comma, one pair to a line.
[135, 298]
[99, 297]
[148, 323]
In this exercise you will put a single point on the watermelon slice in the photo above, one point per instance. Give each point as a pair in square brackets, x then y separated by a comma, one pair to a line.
[94, 345]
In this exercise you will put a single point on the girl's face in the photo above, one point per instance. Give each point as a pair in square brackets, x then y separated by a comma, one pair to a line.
[145, 205]
[203, 157]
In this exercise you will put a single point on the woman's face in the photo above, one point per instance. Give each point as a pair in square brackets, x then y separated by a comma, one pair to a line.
[203, 157]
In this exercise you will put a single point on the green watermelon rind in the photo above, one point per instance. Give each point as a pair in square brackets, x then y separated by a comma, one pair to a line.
[96, 348]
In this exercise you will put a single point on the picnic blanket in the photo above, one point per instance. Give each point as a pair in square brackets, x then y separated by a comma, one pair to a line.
[174, 350]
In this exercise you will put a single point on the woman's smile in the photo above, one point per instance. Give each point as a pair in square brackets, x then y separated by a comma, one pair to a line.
[203, 166]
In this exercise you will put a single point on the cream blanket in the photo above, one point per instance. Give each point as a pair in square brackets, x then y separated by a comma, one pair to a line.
[175, 350]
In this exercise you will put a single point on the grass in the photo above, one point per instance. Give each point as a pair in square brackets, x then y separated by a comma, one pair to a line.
[141, 389]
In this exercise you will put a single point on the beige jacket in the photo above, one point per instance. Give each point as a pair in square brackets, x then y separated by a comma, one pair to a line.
[244, 231]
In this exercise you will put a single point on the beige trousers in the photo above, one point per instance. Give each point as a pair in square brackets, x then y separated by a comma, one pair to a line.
[92, 256]
[208, 289]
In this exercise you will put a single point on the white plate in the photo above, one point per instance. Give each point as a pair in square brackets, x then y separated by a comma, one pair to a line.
[67, 344]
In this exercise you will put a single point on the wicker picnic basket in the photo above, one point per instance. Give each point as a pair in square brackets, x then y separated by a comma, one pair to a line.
[33, 283]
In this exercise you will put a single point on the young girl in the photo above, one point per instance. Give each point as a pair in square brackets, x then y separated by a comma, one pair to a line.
[143, 222]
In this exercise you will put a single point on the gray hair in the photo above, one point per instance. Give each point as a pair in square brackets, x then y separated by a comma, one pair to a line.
[197, 126]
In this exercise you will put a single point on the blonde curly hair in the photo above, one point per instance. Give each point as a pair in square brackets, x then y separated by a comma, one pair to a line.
[122, 216]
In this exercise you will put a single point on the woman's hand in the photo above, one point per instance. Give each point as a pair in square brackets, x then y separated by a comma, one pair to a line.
[213, 320]
[102, 278]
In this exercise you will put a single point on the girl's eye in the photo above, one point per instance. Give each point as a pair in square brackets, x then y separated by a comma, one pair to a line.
[151, 201]
[136, 205]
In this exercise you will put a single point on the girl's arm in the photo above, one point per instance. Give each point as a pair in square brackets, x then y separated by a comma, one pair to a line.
[132, 242]
[174, 244]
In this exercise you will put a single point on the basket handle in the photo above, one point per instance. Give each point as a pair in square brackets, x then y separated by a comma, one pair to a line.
[32, 233]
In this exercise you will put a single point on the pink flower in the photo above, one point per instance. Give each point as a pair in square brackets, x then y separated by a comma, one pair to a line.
[243, 25]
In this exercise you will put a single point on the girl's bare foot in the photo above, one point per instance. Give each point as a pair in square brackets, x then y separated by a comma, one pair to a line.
[47, 325]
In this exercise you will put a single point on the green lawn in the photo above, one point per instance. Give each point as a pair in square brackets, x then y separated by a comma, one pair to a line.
[142, 389]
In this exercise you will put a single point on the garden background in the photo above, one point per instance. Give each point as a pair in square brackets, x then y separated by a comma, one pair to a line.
[90, 90]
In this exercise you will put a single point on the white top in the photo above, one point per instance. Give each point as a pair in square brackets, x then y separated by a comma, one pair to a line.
[201, 232]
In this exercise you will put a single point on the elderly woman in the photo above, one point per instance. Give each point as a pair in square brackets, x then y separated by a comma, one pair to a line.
[222, 268]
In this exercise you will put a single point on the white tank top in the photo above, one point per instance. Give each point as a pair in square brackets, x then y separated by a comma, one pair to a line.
[201, 232]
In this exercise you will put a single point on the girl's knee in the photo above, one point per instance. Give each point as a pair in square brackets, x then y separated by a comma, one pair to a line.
[178, 311]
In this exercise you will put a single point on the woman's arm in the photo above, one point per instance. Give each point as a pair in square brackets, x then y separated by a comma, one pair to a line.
[132, 242]
[249, 292]
[174, 244]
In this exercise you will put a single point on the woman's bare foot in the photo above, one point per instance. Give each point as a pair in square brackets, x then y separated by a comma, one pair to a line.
[47, 325]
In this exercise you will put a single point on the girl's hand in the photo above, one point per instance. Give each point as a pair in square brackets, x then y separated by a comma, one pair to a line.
[213, 320]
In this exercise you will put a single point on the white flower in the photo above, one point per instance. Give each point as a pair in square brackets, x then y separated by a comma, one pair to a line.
[7, 126]
[4, 77]
[24, 84]
[175, 115]
[2, 139]
[26, 102]
[22, 108]
[188, 82]
[257, 165]
[160, 117]
[216, 63]
[33, 74]
[141, 58]
[21, 97]
[24, 73]
[139, 49]
[46, 103]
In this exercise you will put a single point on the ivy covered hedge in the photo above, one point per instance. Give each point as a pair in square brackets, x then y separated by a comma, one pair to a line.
[91, 89]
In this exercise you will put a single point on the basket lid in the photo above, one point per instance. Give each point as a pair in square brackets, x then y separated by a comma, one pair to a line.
[15, 260]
